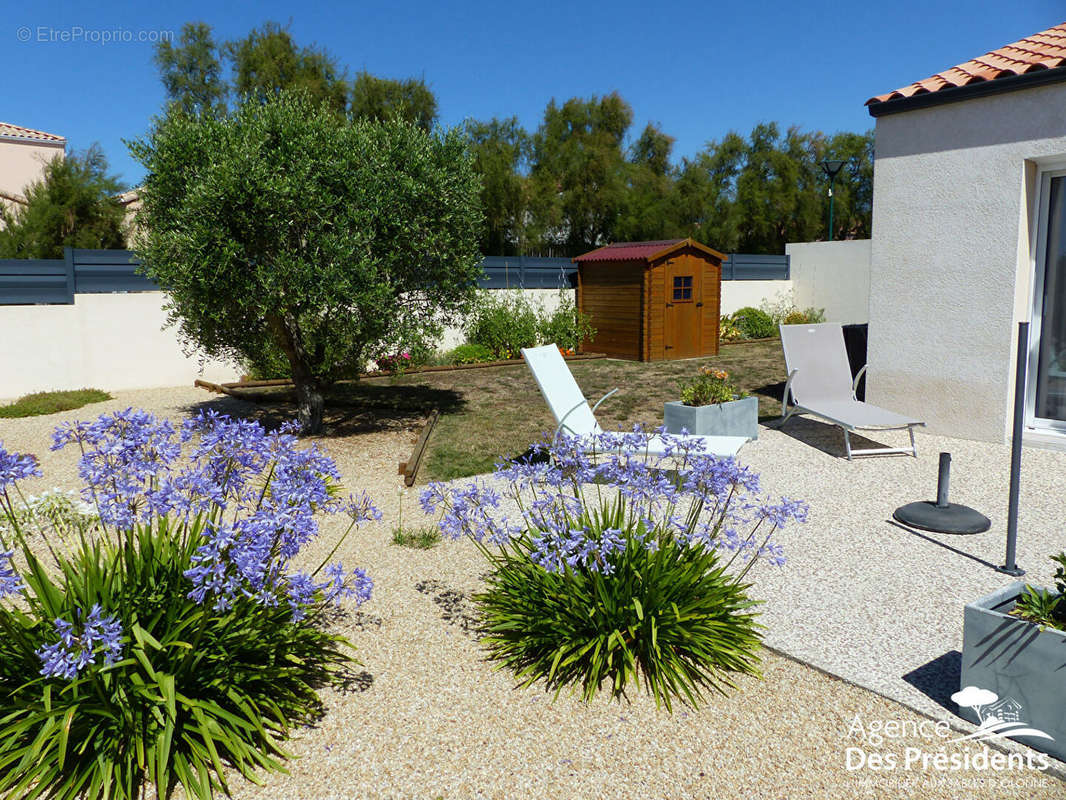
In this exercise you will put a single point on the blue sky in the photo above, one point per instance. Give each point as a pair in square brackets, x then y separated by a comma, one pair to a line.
[698, 69]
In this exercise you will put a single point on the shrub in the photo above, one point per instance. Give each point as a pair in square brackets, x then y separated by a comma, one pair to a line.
[503, 322]
[394, 363]
[728, 330]
[565, 326]
[709, 386]
[1043, 607]
[784, 312]
[755, 323]
[631, 583]
[39, 403]
[808, 316]
[176, 638]
[470, 354]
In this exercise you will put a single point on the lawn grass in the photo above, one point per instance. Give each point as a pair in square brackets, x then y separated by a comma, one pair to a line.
[497, 413]
[39, 403]
[502, 413]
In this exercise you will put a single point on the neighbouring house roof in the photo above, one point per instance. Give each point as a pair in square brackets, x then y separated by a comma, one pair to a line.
[643, 251]
[1029, 62]
[17, 132]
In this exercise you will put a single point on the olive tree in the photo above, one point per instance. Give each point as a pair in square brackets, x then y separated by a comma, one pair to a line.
[286, 225]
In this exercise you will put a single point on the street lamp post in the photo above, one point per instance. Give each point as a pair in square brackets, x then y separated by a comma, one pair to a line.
[832, 168]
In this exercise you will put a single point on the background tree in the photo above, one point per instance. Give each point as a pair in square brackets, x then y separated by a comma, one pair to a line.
[854, 187]
[267, 61]
[192, 70]
[73, 205]
[579, 171]
[367, 235]
[648, 211]
[386, 99]
[501, 149]
[705, 194]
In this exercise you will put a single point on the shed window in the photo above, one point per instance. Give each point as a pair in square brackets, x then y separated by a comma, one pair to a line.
[683, 287]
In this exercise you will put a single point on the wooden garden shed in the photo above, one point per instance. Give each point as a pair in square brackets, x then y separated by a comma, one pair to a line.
[652, 301]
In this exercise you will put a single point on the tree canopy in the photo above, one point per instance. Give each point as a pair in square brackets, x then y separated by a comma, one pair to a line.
[365, 238]
[191, 70]
[583, 177]
[386, 99]
[268, 61]
[74, 204]
[581, 185]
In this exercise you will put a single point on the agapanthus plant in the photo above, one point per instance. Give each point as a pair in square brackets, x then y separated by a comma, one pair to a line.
[167, 630]
[620, 567]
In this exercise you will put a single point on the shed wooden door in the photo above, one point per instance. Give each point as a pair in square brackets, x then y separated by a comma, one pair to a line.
[683, 315]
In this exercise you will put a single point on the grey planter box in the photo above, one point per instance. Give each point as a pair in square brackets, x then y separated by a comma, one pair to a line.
[1019, 662]
[736, 418]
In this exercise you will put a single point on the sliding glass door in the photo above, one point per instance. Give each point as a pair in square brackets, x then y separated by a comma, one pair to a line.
[1047, 372]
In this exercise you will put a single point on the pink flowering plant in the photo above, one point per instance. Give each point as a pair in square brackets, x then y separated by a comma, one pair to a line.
[394, 363]
[176, 637]
[620, 568]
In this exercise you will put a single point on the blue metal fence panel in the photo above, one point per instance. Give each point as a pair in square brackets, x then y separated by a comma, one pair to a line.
[25, 281]
[106, 271]
[527, 272]
[745, 267]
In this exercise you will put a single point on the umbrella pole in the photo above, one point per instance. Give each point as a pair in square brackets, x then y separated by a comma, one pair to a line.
[1010, 567]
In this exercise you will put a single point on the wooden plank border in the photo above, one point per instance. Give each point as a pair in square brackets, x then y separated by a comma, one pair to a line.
[409, 468]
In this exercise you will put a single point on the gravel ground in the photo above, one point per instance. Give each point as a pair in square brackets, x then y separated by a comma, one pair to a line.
[877, 603]
[426, 717]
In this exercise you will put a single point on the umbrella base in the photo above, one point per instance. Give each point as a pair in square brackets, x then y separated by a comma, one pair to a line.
[950, 518]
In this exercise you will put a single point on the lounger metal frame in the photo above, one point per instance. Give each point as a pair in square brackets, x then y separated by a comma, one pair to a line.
[787, 412]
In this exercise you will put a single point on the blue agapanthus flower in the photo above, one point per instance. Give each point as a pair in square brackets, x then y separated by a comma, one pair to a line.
[74, 651]
[16, 467]
[596, 495]
[10, 582]
[255, 494]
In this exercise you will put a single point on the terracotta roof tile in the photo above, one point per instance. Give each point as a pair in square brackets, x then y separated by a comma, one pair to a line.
[9, 131]
[1044, 50]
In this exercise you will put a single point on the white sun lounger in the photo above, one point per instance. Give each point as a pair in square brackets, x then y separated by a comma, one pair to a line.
[819, 382]
[571, 410]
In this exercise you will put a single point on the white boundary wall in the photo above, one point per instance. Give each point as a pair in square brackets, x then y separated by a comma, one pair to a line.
[834, 276]
[118, 341]
[102, 341]
[740, 294]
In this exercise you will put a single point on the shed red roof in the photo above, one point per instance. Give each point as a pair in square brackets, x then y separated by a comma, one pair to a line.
[1041, 51]
[642, 251]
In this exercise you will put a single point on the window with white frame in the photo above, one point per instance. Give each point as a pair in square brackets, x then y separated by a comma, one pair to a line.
[1047, 366]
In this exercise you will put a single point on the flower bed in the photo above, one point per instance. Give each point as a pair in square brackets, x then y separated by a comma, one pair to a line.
[167, 635]
[618, 570]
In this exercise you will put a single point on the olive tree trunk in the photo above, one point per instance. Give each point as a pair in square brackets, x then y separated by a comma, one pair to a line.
[309, 399]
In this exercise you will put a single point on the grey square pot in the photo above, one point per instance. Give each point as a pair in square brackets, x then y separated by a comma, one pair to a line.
[735, 418]
[1019, 662]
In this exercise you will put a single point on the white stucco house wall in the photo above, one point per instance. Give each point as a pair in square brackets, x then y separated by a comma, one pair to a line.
[969, 238]
[24, 153]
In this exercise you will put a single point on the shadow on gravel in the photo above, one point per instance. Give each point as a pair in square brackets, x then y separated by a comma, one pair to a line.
[823, 436]
[455, 606]
[938, 679]
[929, 537]
[352, 682]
